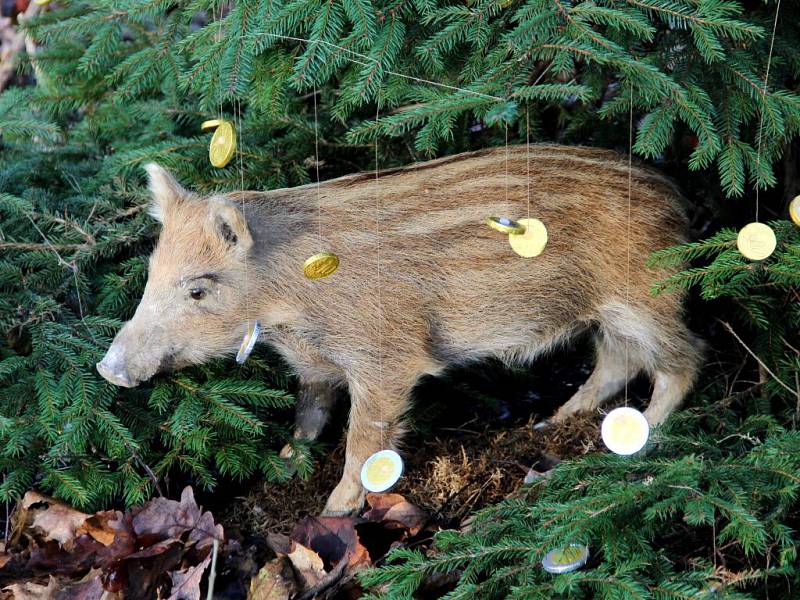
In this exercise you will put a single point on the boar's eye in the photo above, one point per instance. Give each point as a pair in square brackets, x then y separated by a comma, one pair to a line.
[197, 293]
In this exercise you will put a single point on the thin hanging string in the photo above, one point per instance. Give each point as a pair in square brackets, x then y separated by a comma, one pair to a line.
[218, 36]
[383, 425]
[628, 240]
[379, 64]
[316, 164]
[506, 163]
[764, 94]
[528, 153]
[240, 147]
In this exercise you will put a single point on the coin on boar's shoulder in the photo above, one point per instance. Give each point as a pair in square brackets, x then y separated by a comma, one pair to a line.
[794, 210]
[756, 241]
[505, 225]
[249, 341]
[381, 471]
[564, 560]
[532, 242]
[625, 431]
[223, 144]
[321, 265]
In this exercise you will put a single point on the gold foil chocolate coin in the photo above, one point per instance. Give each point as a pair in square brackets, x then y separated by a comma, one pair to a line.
[532, 242]
[321, 265]
[756, 241]
[794, 210]
[625, 431]
[223, 144]
[505, 225]
[381, 471]
[564, 560]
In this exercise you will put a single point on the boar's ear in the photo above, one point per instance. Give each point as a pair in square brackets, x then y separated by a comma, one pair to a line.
[166, 191]
[228, 223]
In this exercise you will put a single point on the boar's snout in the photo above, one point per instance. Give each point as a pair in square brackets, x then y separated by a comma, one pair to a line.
[112, 368]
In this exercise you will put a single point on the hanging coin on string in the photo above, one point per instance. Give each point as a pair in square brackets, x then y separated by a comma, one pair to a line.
[527, 237]
[384, 468]
[324, 263]
[625, 430]
[756, 240]
[794, 210]
[223, 143]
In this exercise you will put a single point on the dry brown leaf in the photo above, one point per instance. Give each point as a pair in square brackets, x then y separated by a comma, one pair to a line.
[274, 581]
[134, 554]
[89, 588]
[307, 564]
[394, 511]
[98, 526]
[30, 590]
[333, 538]
[164, 518]
[186, 583]
[56, 520]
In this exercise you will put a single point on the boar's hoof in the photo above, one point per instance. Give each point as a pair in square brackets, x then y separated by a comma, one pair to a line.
[346, 500]
[286, 454]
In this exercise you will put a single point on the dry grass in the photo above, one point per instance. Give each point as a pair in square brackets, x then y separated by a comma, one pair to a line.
[449, 476]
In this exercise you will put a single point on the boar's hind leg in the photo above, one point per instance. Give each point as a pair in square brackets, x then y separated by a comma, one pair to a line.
[611, 372]
[674, 373]
[375, 424]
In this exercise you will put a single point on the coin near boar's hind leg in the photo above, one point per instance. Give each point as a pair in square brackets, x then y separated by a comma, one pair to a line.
[375, 424]
[611, 372]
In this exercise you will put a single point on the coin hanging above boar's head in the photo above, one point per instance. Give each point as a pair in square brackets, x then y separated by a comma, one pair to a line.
[194, 303]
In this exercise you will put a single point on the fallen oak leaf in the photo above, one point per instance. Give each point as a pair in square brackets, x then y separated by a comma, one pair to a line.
[88, 588]
[308, 565]
[52, 558]
[123, 544]
[186, 583]
[30, 590]
[335, 539]
[275, 581]
[394, 511]
[98, 526]
[155, 549]
[37, 514]
[163, 518]
[204, 534]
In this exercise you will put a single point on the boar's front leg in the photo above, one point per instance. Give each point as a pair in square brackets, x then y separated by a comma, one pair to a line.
[375, 424]
[313, 407]
[315, 401]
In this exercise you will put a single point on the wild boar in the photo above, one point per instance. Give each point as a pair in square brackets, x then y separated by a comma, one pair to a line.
[423, 284]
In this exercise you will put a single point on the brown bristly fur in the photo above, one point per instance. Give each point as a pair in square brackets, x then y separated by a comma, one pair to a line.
[450, 290]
